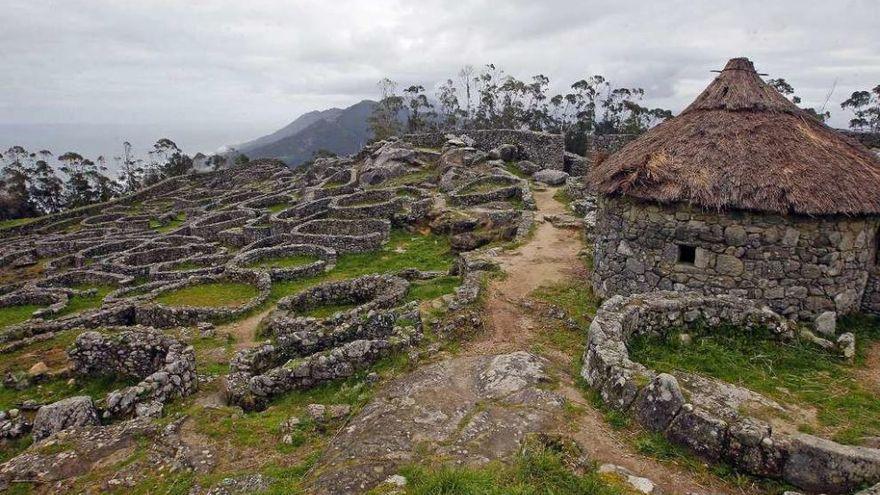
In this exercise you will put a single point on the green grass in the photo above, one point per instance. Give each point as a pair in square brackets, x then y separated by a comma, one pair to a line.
[175, 223]
[57, 389]
[485, 186]
[423, 290]
[211, 295]
[513, 168]
[797, 372]
[15, 222]
[13, 315]
[278, 207]
[536, 470]
[327, 310]
[403, 250]
[409, 179]
[284, 261]
[562, 196]
[79, 303]
[188, 265]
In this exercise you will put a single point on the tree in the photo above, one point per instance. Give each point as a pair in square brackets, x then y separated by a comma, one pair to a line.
[384, 121]
[421, 111]
[866, 107]
[46, 188]
[78, 190]
[15, 197]
[242, 159]
[466, 76]
[131, 172]
[787, 90]
[451, 113]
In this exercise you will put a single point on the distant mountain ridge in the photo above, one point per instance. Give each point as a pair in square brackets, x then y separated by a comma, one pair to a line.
[341, 131]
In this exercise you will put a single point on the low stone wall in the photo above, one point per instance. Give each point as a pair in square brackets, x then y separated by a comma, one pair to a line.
[325, 262]
[161, 316]
[166, 366]
[345, 236]
[542, 148]
[658, 403]
[254, 392]
[801, 267]
[506, 188]
[317, 350]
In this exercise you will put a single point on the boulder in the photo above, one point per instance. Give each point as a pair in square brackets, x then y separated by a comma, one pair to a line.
[66, 413]
[527, 167]
[550, 177]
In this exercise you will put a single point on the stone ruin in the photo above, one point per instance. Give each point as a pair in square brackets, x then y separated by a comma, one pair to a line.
[107, 271]
[705, 417]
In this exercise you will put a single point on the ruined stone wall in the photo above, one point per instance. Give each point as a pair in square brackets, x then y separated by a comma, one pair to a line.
[799, 266]
[542, 148]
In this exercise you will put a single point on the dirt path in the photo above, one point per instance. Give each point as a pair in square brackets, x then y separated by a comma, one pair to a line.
[548, 257]
[244, 331]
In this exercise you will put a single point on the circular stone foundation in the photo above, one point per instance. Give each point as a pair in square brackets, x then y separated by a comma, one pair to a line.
[204, 298]
[345, 236]
[293, 260]
[658, 402]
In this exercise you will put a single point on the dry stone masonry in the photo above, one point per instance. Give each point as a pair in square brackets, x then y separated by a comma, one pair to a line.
[801, 267]
[711, 431]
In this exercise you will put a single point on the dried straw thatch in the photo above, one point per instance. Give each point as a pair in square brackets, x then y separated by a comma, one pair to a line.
[743, 145]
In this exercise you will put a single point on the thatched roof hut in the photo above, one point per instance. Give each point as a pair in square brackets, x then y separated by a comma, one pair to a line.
[743, 145]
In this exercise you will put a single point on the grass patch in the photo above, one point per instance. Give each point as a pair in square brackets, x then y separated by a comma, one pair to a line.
[188, 265]
[278, 207]
[57, 389]
[423, 290]
[484, 187]
[13, 315]
[326, 310]
[513, 168]
[82, 302]
[173, 224]
[15, 222]
[796, 372]
[536, 470]
[404, 250]
[211, 295]
[410, 179]
[284, 261]
[563, 197]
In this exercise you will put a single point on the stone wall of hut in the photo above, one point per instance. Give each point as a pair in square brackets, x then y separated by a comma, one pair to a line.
[799, 266]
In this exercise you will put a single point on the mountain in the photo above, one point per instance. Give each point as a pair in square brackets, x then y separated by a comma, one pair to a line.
[341, 131]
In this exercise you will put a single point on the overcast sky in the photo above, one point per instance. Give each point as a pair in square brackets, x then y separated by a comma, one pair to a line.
[244, 68]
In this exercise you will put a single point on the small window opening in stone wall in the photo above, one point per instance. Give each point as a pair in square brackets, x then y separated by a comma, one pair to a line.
[687, 254]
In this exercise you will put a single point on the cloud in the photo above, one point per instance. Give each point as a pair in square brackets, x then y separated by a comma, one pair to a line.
[264, 62]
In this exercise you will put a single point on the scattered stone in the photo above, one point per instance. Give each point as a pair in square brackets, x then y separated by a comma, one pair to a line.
[396, 480]
[38, 369]
[206, 329]
[241, 485]
[826, 323]
[846, 345]
[640, 484]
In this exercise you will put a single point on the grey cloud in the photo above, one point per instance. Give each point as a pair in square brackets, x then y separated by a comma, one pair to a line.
[263, 62]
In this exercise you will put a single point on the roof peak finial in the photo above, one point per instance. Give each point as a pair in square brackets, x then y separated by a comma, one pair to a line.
[740, 63]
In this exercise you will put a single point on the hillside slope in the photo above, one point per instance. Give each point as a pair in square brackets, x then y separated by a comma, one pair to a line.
[341, 131]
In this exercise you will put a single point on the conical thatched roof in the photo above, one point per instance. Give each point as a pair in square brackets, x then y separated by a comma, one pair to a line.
[743, 145]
